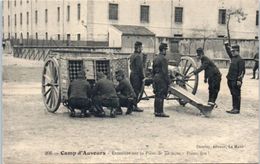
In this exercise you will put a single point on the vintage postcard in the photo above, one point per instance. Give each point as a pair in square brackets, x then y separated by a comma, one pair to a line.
[130, 81]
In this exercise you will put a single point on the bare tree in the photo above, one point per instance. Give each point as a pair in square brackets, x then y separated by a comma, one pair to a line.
[238, 14]
[205, 33]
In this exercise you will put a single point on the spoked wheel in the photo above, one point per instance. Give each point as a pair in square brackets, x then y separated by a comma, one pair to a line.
[51, 85]
[185, 67]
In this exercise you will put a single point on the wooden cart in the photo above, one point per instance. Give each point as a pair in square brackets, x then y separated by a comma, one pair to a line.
[62, 66]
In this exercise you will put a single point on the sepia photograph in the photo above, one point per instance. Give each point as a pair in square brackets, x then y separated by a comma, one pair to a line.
[130, 81]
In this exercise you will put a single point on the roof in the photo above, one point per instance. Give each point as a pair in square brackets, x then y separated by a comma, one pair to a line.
[134, 30]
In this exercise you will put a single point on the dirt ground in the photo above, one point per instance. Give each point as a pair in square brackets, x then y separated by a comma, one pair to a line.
[32, 135]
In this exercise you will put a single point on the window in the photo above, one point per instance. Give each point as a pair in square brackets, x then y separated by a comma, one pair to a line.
[144, 14]
[14, 2]
[58, 36]
[36, 16]
[178, 14]
[36, 36]
[68, 13]
[257, 18]
[46, 15]
[15, 20]
[46, 35]
[78, 11]
[222, 16]
[113, 11]
[27, 35]
[8, 20]
[27, 1]
[68, 37]
[58, 14]
[3, 21]
[78, 37]
[15, 35]
[9, 35]
[21, 2]
[21, 18]
[8, 3]
[27, 18]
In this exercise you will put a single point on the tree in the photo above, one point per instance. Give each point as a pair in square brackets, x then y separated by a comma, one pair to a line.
[238, 14]
[205, 33]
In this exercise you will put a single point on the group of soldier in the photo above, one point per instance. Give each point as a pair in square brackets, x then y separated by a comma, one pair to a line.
[105, 94]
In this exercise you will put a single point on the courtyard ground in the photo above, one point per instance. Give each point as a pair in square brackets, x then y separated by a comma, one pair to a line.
[32, 135]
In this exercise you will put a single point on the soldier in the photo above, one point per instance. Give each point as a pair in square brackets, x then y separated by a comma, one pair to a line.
[212, 75]
[126, 93]
[104, 94]
[160, 81]
[256, 59]
[79, 94]
[137, 74]
[235, 76]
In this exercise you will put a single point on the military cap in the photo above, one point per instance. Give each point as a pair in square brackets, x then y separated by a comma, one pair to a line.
[235, 47]
[199, 51]
[163, 46]
[81, 74]
[120, 73]
[100, 75]
[137, 44]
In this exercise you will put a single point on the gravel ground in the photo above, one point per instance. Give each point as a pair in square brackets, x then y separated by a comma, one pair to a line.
[32, 135]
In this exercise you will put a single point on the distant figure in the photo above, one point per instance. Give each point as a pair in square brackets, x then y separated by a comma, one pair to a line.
[79, 95]
[137, 73]
[126, 94]
[235, 76]
[160, 81]
[256, 59]
[104, 94]
[212, 75]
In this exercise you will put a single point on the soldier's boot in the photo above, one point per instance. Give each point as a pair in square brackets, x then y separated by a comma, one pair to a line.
[72, 112]
[100, 112]
[112, 112]
[156, 106]
[119, 111]
[236, 105]
[160, 108]
[129, 108]
[253, 75]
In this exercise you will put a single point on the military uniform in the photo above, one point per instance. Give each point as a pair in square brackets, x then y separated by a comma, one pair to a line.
[137, 74]
[126, 94]
[235, 75]
[212, 75]
[79, 95]
[160, 81]
[104, 94]
[137, 71]
[256, 59]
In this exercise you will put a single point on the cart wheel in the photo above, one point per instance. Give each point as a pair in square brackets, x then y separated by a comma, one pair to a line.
[51, 85]
[186, 66]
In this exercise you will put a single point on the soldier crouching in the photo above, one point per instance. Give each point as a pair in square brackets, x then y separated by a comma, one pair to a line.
[79, 94]
[126, 93]
[104, 94]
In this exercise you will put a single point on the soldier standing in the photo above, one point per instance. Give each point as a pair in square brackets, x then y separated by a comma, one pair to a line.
[160, 81]
[235, 76]
[212, 75]
[137, 73]
[256, 59]
[125, 92]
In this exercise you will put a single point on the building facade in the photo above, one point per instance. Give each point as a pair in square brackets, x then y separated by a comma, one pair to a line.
[169, 20]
